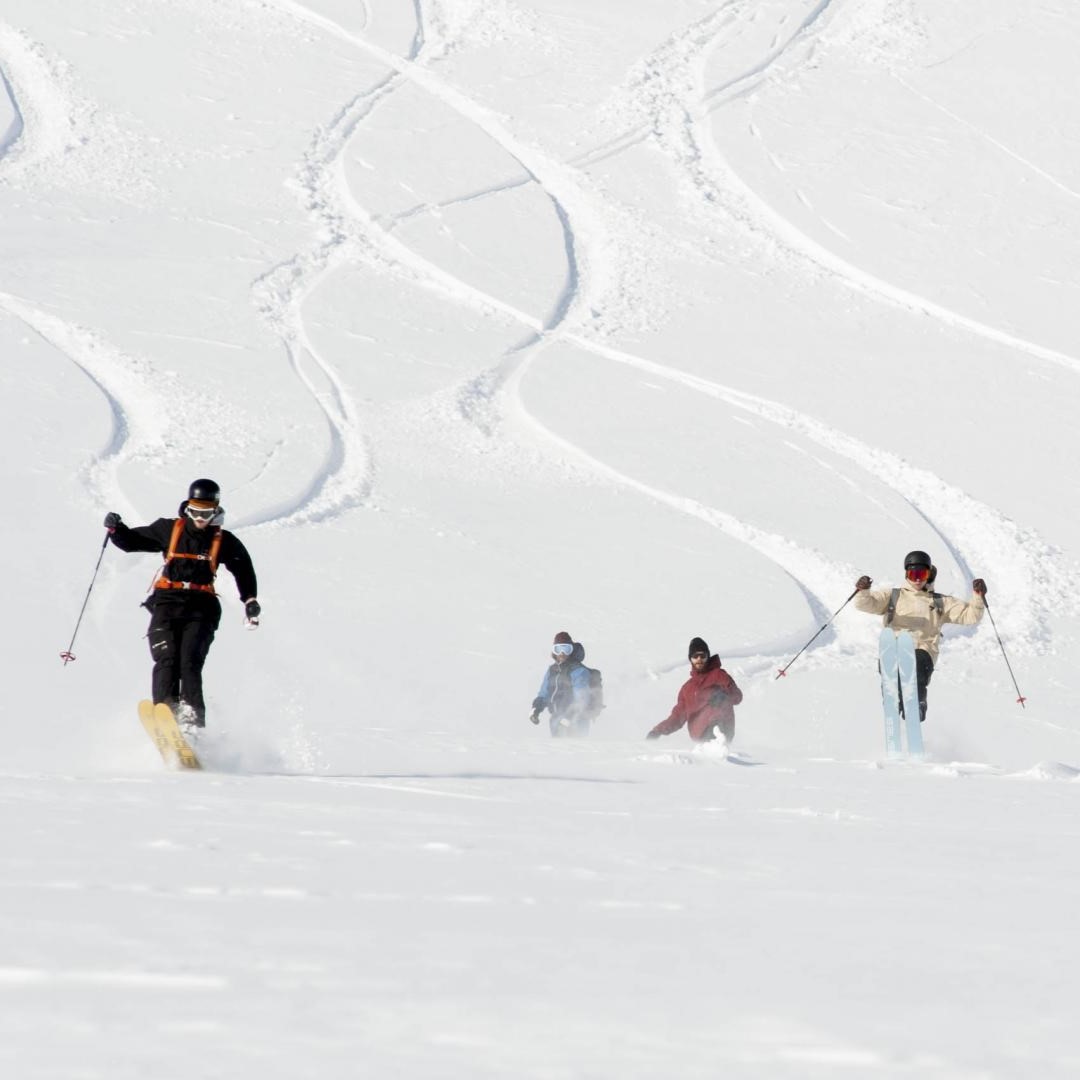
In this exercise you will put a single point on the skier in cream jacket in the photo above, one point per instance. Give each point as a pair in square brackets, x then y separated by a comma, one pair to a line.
[921, 611]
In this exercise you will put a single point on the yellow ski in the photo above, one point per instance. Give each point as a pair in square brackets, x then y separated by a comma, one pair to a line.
[162, 727]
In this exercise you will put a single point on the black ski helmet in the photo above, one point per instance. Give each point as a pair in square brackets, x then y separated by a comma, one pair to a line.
[917, 558]
[204, 491]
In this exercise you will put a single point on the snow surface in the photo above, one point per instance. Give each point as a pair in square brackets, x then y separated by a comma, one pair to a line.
[640, 320]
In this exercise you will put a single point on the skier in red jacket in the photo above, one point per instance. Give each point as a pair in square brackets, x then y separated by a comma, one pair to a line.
[706, 701]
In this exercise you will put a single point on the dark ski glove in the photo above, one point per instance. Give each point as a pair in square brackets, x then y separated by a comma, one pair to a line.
[863, 583]
[535, 717]
[653, 735]
[112, 519]
[717, 698]
[252, 611]
[978, 586]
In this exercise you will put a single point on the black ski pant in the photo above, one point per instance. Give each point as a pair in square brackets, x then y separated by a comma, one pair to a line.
[924, 670]
[180, 636]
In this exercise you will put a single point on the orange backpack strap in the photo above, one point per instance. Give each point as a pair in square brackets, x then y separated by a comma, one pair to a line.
[174, 539]
[212, 557]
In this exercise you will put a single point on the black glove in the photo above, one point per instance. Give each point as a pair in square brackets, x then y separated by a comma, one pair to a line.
[535, 717]
[653, 735]
[978, 586]
[863, 583]
[112, 519]
[252, 610]
[717, 698]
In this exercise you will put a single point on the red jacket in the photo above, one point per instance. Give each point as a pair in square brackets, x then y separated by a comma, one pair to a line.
[708, 697]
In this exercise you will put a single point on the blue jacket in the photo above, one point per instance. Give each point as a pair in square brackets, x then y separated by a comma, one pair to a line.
[567, 688]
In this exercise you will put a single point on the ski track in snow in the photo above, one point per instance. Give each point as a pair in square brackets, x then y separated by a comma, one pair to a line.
[354, 234]
[776, 53]
[671, 94]
[720, 184]
[974, 533]
[1008, 151]
[120, 379]
[695, 37]
[347, 476]
[477, 396]
[60, 133]
[553, 178]
[50, 121]
[984, 538]
[11, 136]
[45, 117]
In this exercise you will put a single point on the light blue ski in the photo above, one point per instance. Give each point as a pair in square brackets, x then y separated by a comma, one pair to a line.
[889, 661]
[909, 691]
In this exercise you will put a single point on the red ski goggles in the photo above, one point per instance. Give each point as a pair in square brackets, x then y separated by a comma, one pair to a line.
[918, 573]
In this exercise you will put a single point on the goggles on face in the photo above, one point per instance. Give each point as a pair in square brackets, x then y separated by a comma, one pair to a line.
[918, 573]
[699, 656]
[562, 649]
[198, 514]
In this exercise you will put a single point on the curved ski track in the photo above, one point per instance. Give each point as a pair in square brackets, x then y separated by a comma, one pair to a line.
[9, 138]
[720, 186]
[347, 476]
[132, 404]
[20, 69]
[353, 234]
[987, 539]
[672, 96]
[720, 183]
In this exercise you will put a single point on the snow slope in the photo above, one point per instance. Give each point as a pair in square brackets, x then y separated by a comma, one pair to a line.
[638, 320]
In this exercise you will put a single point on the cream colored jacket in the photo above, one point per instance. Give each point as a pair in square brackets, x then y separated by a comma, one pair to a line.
[916, 611]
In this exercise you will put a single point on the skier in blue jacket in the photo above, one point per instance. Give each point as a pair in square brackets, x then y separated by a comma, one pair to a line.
[568, 690]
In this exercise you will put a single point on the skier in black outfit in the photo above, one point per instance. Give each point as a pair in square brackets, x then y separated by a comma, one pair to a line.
[184, 609]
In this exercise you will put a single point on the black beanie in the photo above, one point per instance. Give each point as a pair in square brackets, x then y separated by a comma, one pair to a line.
[698, 645]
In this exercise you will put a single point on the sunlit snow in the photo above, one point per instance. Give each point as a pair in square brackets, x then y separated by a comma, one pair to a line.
[634, 319]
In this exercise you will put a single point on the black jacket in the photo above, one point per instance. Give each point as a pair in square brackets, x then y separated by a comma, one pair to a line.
[155, 537]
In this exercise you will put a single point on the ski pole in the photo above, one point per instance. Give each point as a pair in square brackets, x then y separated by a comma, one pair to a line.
[783, 670]
[67, 655]
[1020, 699]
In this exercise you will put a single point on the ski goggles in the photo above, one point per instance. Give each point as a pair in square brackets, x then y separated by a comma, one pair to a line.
[918, 573]
[699, 655]
[562, 649]
[198, 513]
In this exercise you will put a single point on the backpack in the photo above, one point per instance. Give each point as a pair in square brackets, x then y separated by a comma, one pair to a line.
[596, 689]
[939, 604]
